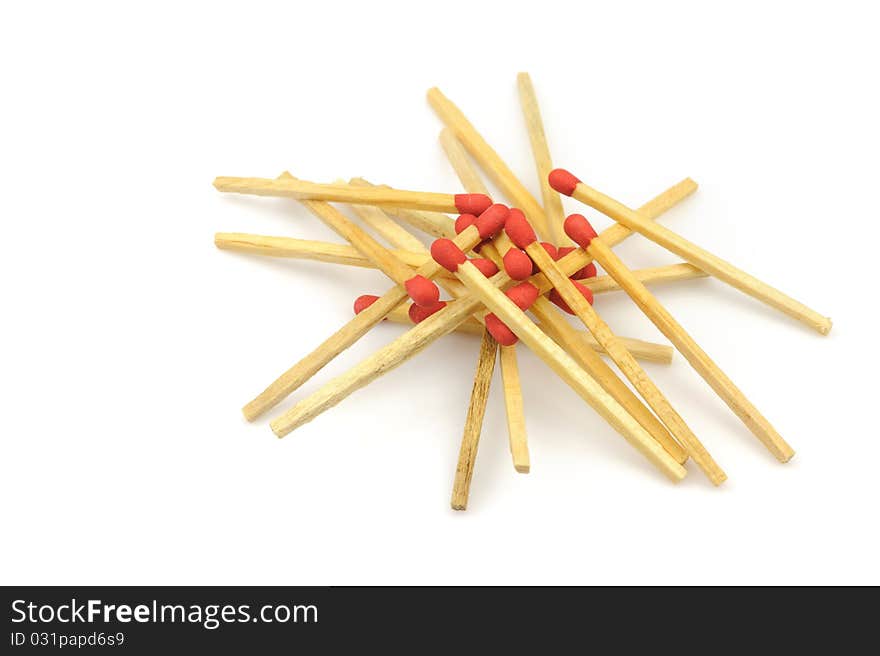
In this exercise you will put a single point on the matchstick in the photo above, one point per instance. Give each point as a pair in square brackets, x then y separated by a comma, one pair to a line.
[516, 420]
[294, 377]
[342, 193]
[331, 253]
[543, 163]
[581, 232]
[487, 158]
[467, 454]
[435, 224]
[424, 334]
[566, 183]
[453, 259]
[519, 230]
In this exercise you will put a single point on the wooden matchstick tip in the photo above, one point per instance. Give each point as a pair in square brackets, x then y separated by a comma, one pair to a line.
[521, 469]
[463, 222]
[517, 264]
[361, 303]
[524, 295]
[447, 254]
[474, 204]
[499, 330]
[518, 229]
[490, 222]
[418, 314]
[556, 297]
[563, 181]
[486, 267]
[579, 229]
[422, 291]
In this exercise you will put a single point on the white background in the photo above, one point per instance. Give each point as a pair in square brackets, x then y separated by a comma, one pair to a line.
[129, 342]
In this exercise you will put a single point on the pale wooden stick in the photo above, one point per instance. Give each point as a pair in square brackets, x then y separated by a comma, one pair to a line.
[516, 420]
[711, 264]
[340, 193]
[435, 224]
[487, 158]
[467, 454]
[698, 358]
[543, 163]
[643, 350]
[294, 377]
[322, 251]
[626, 363]
[567, 369]
[421, 336]
[457, 156]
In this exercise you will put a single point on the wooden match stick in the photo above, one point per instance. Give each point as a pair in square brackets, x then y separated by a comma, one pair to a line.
[518, 229]
[565, 182]
[424, 334]
[556, 326]
[331, 253]
[487, 158]
[435, 224]
[643, 350]
[467, 454]
[342, 193]
[453, 259]
[581, 232]
[517, 436]
[294, 377]
[543, 163]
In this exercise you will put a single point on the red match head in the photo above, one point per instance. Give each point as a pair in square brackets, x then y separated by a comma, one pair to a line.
[490, 222]
[579, 229]
[361, 303]
[552, 251]
[563, 181]
[464, 221]
[588, 271]
[486, 267]
[523, 294]
[422, 291]
[418, 314]
[517, 264]
[499, 330]
[447, 254]
[556, 297]
[474, 204]
[518, 229]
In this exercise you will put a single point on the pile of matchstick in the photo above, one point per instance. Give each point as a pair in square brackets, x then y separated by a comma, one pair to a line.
[493, 266]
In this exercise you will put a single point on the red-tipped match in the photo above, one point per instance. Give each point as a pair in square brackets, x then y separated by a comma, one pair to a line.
[474, 204]
[492, 220]
[517, 264]
[588, 271]
[579, 230]
[563, 181]
[447, 254]
[418, 314]
[499, 330]
[518, 229]
[464, 221]
[422, 291]
[552, 251]
[486, 267]
[523, 294]
[361, 303]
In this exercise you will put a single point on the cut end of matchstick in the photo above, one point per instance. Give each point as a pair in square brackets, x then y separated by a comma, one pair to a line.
[518, 229]
[422, 291]
[579, 230]
[447, 254]
[563, 181]
[499, 330]
[472, 203]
